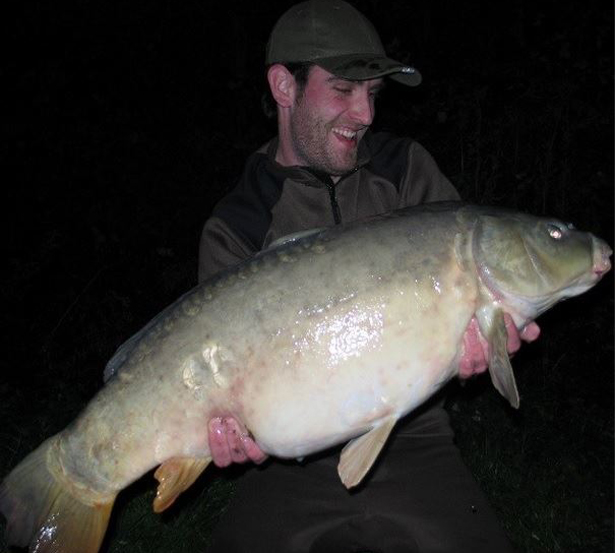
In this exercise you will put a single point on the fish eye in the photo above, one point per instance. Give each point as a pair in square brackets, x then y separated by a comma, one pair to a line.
[555, 231]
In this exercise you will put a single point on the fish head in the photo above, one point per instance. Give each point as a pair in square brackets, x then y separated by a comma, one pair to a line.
[531, 263]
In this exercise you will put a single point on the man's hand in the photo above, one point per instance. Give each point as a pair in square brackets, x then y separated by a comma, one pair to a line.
[230, 442]
[476, 350]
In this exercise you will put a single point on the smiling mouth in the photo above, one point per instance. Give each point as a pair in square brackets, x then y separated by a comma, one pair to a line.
[344, 133]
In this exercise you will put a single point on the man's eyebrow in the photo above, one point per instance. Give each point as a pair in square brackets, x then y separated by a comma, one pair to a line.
[333, 79]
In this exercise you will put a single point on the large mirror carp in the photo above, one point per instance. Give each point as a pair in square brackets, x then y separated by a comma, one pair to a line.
[325, 338]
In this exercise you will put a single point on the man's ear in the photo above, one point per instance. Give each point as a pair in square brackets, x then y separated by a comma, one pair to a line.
[282, 84]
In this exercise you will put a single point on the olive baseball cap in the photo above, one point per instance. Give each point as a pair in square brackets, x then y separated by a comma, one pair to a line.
[335, 36]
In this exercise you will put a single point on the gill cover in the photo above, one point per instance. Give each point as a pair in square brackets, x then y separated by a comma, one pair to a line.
[529, 257]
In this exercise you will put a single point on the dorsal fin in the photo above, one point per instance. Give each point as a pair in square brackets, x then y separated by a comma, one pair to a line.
[293, 237]
[128, 347]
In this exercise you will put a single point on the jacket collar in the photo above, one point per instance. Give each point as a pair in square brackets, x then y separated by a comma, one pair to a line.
[306, 175]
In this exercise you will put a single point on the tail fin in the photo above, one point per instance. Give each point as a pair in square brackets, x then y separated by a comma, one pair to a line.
[42, 512]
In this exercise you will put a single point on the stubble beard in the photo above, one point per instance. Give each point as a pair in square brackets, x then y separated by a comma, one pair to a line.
[310, 136]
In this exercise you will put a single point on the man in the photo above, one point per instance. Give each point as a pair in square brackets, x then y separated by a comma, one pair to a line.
[325, 66]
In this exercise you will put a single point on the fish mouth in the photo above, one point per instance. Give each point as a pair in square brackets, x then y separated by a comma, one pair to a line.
[602, 255]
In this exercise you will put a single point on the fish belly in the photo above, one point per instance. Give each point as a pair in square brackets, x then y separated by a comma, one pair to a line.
[334, 377]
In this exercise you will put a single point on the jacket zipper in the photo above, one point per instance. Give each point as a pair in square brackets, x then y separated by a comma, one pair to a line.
[328, 182]
[337, 216]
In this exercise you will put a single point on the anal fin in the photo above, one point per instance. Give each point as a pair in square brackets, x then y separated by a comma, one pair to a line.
[175, 476]
[359, 454]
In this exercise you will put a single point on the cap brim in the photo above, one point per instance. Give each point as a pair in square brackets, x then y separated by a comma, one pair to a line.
[359, 67]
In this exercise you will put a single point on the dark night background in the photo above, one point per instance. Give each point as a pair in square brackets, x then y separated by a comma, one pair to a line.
[125, 122]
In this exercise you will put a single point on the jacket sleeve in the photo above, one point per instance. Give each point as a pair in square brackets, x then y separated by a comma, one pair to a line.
[220, 248]
[240, 221]
[423, 181]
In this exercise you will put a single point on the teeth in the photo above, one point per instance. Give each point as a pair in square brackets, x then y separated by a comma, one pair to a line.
[345, 133]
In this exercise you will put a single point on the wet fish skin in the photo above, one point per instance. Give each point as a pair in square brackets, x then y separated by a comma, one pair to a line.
[329, 337]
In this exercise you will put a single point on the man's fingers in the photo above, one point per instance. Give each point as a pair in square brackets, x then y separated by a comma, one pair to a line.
[218, 444]
[230, 442]
[241, 441]
[514, 341]
[475, 351]
[254, 453]
[234, 433]
[530, 332]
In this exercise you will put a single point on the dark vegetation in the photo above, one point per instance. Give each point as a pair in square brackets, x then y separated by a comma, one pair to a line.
[125, 124]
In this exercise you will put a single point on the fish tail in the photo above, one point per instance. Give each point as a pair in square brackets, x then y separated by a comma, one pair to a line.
[43, 512]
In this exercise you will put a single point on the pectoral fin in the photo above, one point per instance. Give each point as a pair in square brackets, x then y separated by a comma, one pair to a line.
[500, 368]
[176, 476]
[359, 454]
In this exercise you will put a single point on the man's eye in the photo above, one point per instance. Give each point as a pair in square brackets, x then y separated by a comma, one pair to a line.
[343, 90]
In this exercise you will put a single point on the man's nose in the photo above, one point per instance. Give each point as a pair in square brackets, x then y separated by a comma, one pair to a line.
[363, 108]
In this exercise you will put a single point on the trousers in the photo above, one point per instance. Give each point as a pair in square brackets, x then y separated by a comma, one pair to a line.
[419, 497]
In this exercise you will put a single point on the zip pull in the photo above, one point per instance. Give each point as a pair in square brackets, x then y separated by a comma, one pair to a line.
[328, 182]
[337, 215]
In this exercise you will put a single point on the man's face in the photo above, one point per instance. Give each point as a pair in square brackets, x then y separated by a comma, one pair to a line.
[329, 119]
